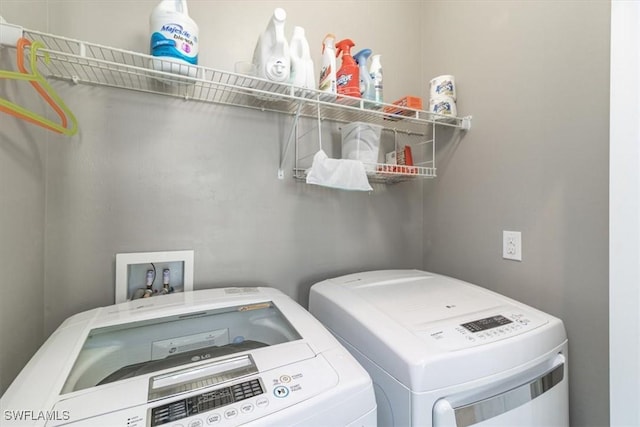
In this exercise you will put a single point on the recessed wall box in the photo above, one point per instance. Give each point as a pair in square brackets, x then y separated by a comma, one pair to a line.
[131, 272]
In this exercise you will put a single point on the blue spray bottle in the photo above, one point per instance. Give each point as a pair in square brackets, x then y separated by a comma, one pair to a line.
[367, 89]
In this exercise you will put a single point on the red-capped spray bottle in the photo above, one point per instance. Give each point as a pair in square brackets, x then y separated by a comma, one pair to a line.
[348, 76]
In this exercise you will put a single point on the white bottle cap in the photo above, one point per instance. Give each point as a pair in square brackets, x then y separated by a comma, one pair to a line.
[280, 14]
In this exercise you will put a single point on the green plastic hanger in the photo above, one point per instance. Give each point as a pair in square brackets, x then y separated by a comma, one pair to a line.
[44, 90]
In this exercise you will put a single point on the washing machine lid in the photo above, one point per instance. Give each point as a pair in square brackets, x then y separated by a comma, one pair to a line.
[148, 350]
[124, 350]
[430, 331]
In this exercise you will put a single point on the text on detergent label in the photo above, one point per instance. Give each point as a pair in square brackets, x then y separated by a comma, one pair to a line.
[179, 33]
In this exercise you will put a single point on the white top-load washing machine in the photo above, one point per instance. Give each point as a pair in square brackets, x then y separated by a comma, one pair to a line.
[215, 357]
[442, 352]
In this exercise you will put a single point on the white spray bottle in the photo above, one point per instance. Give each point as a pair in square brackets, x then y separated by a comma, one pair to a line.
[174, 38]
[376, 75]
[271, 56]
[366, 82]
[302, 73]
[328, 70]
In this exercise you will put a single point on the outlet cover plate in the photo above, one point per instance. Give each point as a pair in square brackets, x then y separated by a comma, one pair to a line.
[512, 245]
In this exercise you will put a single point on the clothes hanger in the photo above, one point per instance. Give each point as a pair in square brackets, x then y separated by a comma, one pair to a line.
[36, 84]
[44, 90]
[15, 110]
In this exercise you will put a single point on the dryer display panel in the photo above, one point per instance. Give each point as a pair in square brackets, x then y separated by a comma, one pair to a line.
[495, 324]
[486, 323]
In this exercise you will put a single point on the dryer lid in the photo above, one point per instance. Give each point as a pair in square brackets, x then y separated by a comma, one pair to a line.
[416, 299]
[428, 330]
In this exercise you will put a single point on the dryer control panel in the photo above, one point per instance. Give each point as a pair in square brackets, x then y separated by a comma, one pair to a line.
[489, 327]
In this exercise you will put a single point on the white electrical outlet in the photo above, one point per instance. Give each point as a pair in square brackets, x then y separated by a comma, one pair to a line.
[512, 245]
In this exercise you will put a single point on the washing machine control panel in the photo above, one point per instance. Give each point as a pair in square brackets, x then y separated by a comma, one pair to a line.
[248, 399]
[234, 402]
[239, 393]
[483, 329]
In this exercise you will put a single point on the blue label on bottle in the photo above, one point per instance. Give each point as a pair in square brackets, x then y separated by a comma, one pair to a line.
[175, 46]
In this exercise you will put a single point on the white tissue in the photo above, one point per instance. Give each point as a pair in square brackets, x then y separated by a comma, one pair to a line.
[338, 173]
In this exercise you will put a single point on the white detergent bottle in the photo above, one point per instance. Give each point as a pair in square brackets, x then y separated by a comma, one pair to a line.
[174, 38]
[328, 69]
[302, 73]
[271, 56]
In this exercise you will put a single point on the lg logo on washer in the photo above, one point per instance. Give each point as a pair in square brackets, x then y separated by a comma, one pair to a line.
[201, 357]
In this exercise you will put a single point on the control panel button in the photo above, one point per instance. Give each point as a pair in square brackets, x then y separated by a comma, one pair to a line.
[214, 419]
[285, 378]
[263, 402]
[281, 391]
[195, 423]
[231, 413]
[246, 408]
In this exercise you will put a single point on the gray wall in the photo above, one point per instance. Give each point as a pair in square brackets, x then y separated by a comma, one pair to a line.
[22, 212]
[23, 149]
[535, 76]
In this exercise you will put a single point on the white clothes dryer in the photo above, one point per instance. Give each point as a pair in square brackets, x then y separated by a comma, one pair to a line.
[445, 353]
[217, 357]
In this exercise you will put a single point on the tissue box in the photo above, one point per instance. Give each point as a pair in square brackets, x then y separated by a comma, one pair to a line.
[361, 141]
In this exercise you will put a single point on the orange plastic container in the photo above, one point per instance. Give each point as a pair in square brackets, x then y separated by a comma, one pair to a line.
[412, 102]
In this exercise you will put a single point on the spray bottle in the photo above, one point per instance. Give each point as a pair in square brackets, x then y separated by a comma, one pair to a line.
[376, 75]
[302, 73]
[328, 70]
[271, 56]
[366, 83]
[174, 38]
[347, 77]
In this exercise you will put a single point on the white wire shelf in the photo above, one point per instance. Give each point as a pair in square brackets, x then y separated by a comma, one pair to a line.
[88, 63]
[386, 173]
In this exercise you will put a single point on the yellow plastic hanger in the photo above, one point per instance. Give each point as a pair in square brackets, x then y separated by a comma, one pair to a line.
[43, 88]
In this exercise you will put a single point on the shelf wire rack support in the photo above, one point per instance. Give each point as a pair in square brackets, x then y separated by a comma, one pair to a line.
[292, 132]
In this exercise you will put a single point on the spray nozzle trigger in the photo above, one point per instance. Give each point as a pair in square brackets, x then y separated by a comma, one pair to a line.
[344, 46]
[362, 56]
[328, 40]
